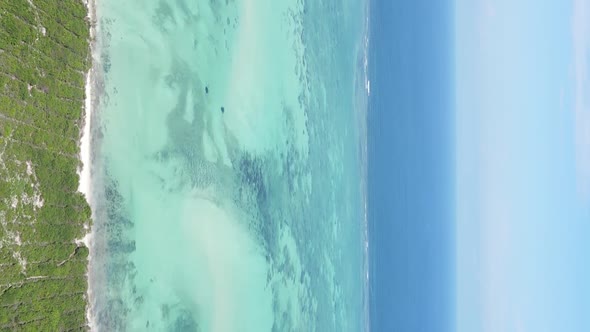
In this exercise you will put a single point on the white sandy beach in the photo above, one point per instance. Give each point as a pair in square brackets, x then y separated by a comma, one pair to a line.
[84, 172]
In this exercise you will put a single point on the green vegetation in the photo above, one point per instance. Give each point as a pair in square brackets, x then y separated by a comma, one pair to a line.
[44, 55]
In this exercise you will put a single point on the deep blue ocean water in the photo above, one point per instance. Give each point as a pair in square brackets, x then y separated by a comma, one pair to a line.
[411, 166]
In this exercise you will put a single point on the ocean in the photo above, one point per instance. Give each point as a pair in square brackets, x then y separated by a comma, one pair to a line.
[411, 166]
[228, 144]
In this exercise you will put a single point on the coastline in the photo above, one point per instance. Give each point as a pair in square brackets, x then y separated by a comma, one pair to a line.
[84, 172]
[91, 184]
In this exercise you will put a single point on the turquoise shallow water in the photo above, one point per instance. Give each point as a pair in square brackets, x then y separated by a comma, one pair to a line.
[228, 155]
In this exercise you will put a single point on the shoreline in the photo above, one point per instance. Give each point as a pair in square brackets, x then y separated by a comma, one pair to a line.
[84, 172]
